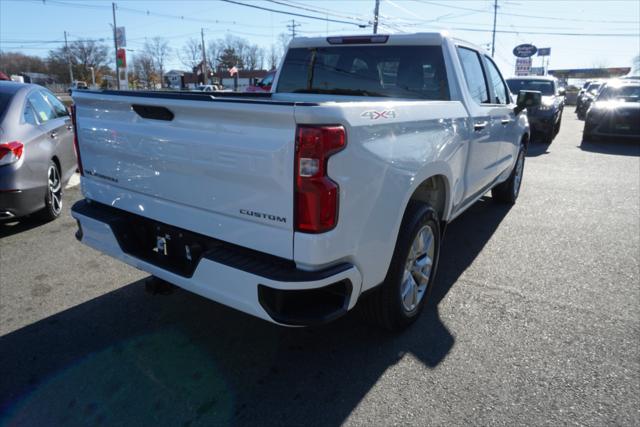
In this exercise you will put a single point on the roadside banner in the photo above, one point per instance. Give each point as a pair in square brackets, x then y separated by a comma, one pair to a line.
[121, 38]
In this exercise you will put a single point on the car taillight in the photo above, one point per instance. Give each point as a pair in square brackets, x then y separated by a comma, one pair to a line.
[10, 152]
[76, 146]
[316, 196]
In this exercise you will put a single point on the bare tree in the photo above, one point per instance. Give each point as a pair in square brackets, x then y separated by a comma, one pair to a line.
[158, 50]
[144, 70]
[274, 58]
[284, 39]
[191, 54]
[16, 63]
[213, 53]
[84, 55]
[253, 57]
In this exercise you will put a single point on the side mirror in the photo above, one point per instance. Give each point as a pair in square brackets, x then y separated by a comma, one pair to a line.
[528, 99]
[562, 91]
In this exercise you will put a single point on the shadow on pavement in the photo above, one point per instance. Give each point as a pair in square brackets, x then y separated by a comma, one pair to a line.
[617, 146]
[9, 228]
[537, 148]
[129, 358]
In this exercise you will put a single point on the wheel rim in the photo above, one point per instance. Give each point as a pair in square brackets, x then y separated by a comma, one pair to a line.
[55, 189]
[518, 177]
[417, 270]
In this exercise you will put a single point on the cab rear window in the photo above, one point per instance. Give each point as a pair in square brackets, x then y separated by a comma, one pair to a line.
[415, 72]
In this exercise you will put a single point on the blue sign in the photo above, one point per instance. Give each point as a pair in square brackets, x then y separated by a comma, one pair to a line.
[544, 51]
[525, 50]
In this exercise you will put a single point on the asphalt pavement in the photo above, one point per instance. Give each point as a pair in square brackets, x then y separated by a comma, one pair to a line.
[535, 320]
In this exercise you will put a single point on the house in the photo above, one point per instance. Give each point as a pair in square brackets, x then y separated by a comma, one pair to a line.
[174, 79]
[246, 78]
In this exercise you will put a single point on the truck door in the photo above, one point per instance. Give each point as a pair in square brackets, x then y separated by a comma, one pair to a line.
[485, 126]
[509, 144]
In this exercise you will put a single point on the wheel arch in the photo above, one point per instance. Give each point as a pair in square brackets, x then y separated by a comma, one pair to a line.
[56, 160]
[435, 191]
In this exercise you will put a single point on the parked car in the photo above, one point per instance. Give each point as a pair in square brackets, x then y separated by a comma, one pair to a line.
[546, 119]
[333, 189]
[581, 92]
[208, 88]
[263, 85]
[584, 101]
[615, 112]
[78, 85]
[37, 156]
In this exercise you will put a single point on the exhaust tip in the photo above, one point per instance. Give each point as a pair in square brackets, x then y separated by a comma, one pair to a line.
[6, 215]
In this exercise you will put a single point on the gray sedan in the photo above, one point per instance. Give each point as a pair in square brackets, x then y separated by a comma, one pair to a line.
[37, 156]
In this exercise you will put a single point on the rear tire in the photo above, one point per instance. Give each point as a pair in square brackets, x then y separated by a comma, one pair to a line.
[400, 299]
[508, 191]
[53, 197]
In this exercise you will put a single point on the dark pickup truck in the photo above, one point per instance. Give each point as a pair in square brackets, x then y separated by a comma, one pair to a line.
[545, 119]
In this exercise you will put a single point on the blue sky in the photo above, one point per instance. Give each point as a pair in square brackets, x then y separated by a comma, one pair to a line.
[35, 26]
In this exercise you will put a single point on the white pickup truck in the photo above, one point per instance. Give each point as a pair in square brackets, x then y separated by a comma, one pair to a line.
[295, 205]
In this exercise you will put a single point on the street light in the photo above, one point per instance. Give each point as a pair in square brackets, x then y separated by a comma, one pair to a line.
[93, 77]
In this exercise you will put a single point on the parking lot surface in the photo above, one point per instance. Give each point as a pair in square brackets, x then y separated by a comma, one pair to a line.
[535, 320]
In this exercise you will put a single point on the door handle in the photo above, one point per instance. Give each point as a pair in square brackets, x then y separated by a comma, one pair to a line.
[480, 125]
[505, 121]
[53, 134]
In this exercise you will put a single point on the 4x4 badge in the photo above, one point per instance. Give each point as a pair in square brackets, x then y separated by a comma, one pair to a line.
[375, 115]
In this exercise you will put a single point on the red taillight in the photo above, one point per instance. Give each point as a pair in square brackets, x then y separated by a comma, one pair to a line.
[76, 146]
[10, 152]
[316, 196]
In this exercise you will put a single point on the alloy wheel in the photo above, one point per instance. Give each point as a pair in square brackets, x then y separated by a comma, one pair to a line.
[55, 189]
[417, 271]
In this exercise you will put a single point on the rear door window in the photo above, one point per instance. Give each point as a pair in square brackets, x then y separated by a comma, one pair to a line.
[44, 111]
[29, 114]
[414, 72]
[58, 106]
[474, 74]
[499, 86]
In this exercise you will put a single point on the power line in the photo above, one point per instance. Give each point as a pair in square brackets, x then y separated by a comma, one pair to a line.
[147, 13]
[315, 10]
[550, 33]
[293, 13]
[551, 18]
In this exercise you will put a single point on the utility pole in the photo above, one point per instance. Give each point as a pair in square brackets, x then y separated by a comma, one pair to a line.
[292, 28]
[376, 11]
[204, 58]
[495, 15]
[66, 47]
[115, 44]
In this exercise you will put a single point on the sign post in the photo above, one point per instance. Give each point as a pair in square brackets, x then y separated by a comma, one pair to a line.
[121, 60]
[545, 51]
[120, 39]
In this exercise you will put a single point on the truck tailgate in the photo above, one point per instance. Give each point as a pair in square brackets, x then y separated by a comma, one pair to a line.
[222, 168]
